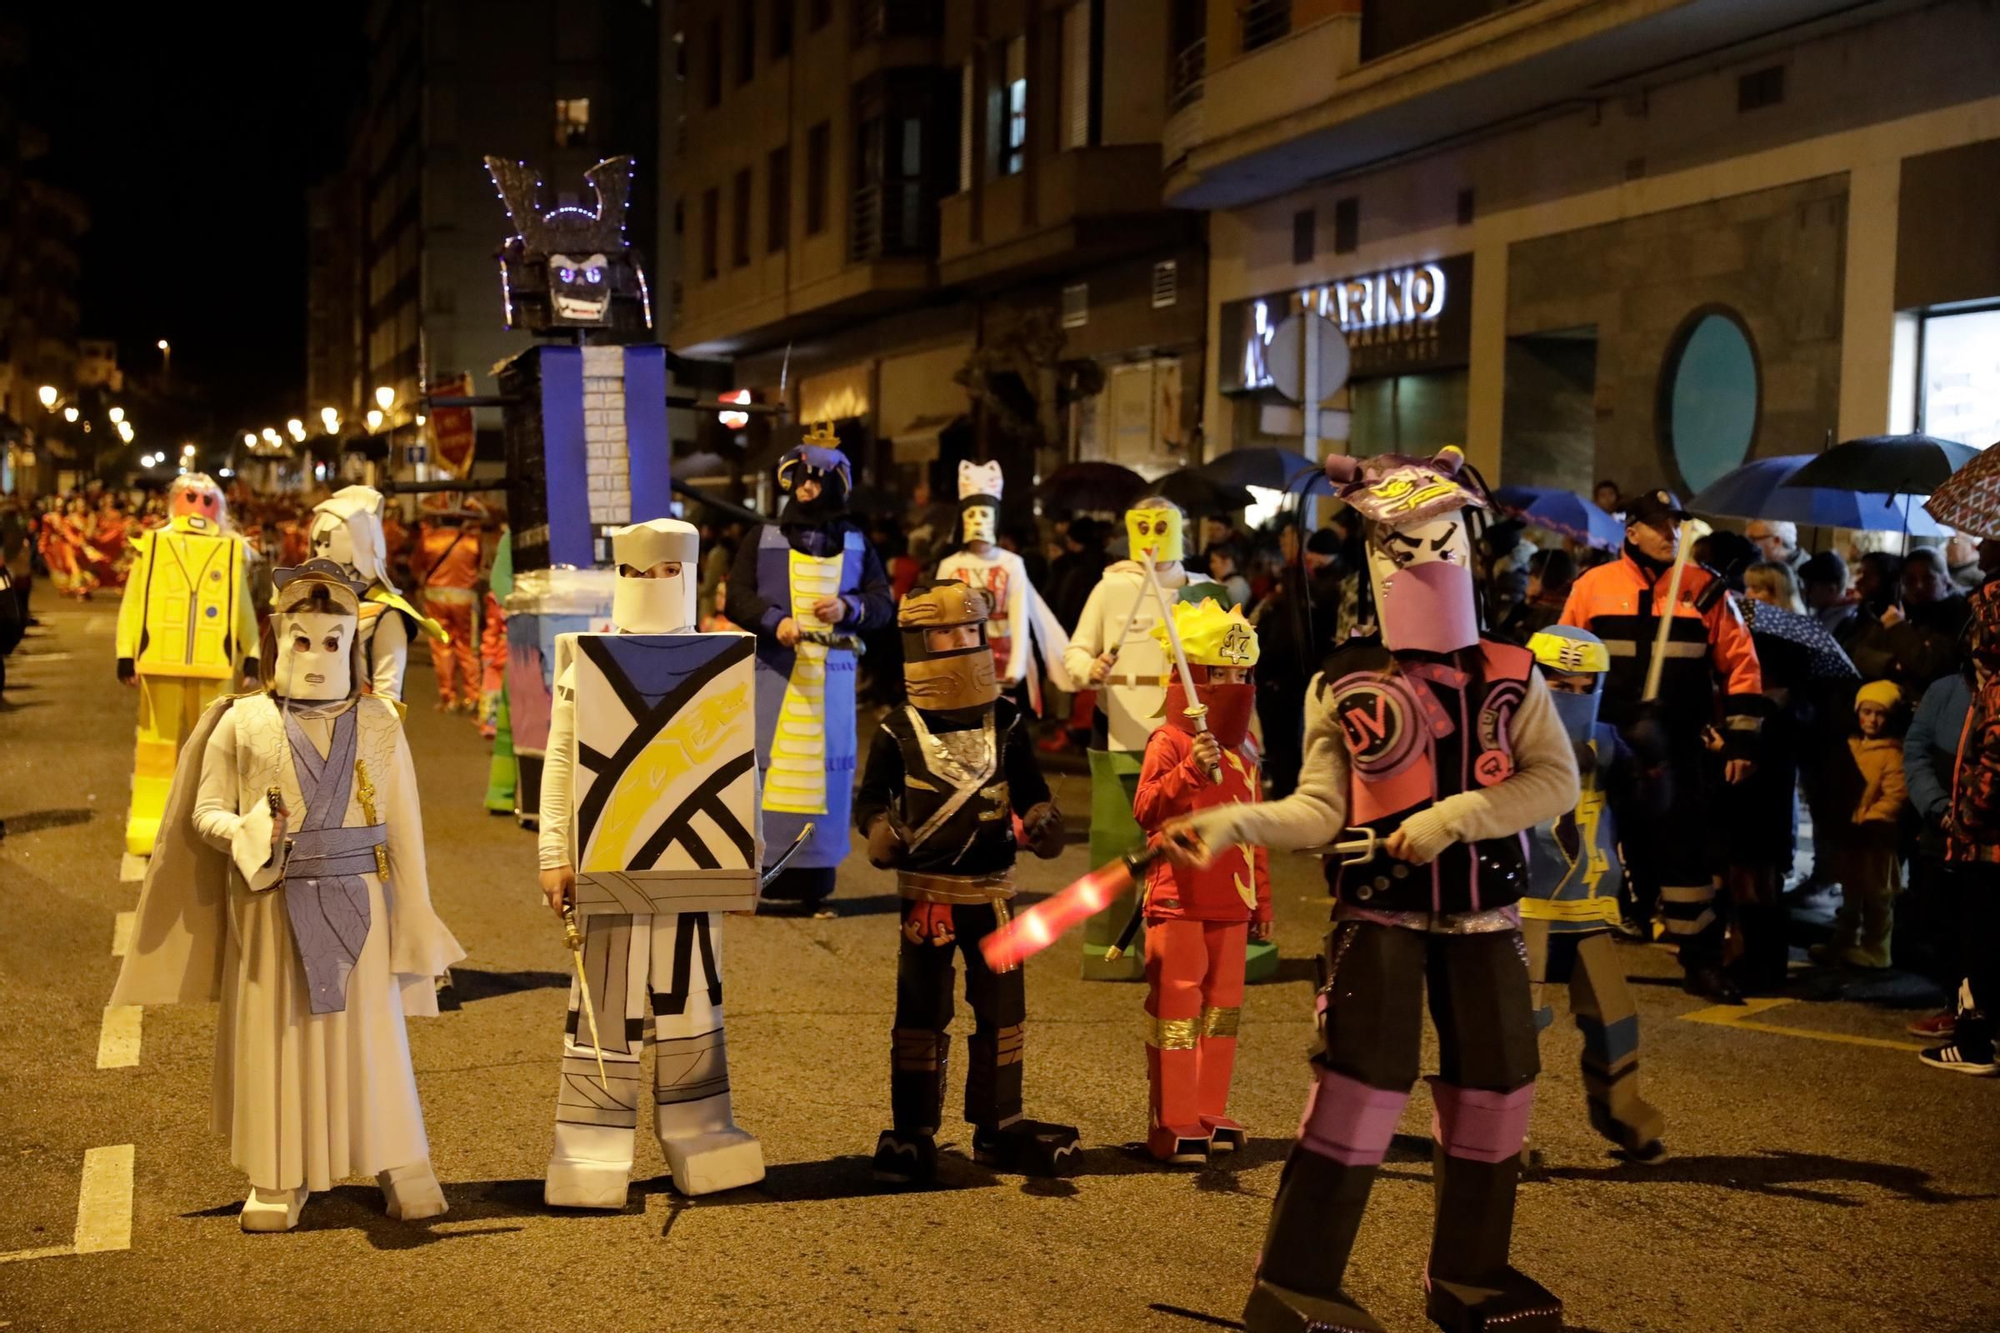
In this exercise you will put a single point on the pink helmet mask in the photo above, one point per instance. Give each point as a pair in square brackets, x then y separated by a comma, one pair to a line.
[1419, 547]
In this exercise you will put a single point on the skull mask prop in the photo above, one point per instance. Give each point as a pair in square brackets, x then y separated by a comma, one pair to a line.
[657, 570]
[979, 489]
[195, 502]
[1419, 549]
[312, 649]
[569, 266]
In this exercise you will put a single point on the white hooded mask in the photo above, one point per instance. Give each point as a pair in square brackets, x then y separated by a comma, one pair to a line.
[347, 529]
[664, 605]
[315, 656]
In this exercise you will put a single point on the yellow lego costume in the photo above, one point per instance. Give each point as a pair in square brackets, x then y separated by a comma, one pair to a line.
[186, 624]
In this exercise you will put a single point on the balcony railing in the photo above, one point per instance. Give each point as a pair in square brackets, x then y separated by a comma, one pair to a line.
[1264, 21]
[1184, 80]
[891, 219]
[877, 19]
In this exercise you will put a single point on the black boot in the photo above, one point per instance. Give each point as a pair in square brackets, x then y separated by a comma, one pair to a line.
[1311, 1233]
[1030, 1147]
[1470, 1286]
[1709, 981]
[1508, 1303]
[1273, 1309]
[905, 1158]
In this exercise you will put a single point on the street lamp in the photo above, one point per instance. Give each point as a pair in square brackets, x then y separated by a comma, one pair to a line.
[125, 431]
[385, 397]
[117, 414]
[330, 418]
[271, 436]
[296, 429]
[249, 439]
[47, 393]
[166, 360]
[374, 421]
[70, 414]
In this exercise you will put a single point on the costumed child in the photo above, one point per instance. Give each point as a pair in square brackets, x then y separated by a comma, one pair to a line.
[348, 528]
[289, 883]
[1198, 921]
[649, 834]
[1570, 906]
[1441, 748]
[185, 626]
[948, 774]
[1021, 619]
[448, 551]
[1865, 852]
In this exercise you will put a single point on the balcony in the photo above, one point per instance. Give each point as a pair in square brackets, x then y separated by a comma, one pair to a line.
[890, 220]
[1298, 102]
[1185, 83]
[1079, 204]
[878, 20]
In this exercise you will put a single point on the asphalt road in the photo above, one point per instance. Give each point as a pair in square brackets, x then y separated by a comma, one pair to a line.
[1817, 1181]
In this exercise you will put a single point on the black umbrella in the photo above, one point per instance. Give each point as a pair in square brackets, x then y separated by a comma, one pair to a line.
[1896, 464]
[1077, 487]
[1271, 468]
[1198, 494]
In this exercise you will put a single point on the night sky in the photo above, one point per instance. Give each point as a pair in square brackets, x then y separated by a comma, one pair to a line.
[192, 133]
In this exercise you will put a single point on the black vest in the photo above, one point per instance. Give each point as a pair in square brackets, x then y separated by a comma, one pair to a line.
[955, 788]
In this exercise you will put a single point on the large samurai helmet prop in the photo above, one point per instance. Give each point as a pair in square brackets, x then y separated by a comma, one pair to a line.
[657, 570]
[569, 266]
[1212, 638]
[979, 490]
[346, 528]
[1565, 650]
[947, 662]
[311, 650]
[197, 503]
[1417, 513]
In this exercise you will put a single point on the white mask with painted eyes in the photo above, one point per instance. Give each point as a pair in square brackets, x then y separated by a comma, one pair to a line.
[315, 656]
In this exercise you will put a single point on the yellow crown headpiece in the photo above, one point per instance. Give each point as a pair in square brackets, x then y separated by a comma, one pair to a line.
[820, 435]
[1212, 636]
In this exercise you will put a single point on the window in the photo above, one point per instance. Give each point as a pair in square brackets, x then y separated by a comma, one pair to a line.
[1014, 109]
[572, 122]
[1346, 226]
[1304, 223]
[1465, 208]
[1076, 305]
[746, 41]
[781, 29]
[818, 140]
[778, 201]
[739, 220]
[711, 61]
[819, 13]
[1076, 58]
[710, 203]
[1760, 88]
[1709, 393]
[680, 216]
[1959, 396]
[1166, 283]
[965, 81]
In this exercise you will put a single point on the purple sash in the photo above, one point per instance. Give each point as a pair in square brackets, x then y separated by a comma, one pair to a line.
[325, 897]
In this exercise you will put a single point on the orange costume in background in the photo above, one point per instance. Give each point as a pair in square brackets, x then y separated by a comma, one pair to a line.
[448, 557]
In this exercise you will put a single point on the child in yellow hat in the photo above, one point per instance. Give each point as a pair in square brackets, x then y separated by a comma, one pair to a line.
[1865, 851]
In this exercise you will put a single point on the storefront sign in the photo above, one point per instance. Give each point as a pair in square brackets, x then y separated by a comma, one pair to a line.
[1397, 321]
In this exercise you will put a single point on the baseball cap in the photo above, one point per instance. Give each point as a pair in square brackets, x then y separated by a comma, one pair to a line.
[1653, 506]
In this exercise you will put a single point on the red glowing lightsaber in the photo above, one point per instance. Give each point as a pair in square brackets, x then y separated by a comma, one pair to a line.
[1043, 924]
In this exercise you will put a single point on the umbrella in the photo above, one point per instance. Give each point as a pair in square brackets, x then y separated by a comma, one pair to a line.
[1091, 486]
[1766, 488]
[1562, 512]
[1271, 468]
[1829, 660]
[1896, 464]
[1198, 494]
[1969, 499]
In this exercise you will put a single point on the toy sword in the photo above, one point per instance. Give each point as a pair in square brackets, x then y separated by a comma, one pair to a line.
[777, 867]
[1041, 925]
[1196, 713]
[574, 938]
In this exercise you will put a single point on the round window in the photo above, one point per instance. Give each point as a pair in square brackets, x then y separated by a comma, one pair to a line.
[1709, 398]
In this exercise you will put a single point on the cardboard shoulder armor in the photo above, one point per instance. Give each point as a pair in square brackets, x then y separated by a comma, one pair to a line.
[665, 772]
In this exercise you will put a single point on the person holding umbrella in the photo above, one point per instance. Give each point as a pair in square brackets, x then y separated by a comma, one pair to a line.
[1661, 693]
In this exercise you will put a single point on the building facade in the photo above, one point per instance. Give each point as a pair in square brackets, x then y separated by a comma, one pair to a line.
[1642, 240]
[939, 227]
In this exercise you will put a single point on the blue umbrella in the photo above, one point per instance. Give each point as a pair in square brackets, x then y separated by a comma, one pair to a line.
[1563, 512]
[1763, 489]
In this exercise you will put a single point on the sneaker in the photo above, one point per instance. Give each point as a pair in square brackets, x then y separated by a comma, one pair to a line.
[1711, 983]
[1938, 1027]
[1959, 1061]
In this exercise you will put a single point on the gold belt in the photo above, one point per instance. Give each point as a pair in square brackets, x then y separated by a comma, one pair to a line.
[972, 890]
[1127, 679]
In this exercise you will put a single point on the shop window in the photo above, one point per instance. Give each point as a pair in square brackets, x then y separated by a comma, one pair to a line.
[1959, 392]
[1709, 397]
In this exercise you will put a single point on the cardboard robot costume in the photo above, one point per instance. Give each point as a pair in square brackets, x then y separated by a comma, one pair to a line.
[1022, 622]
[1444, 747]
[186, 624]
[947, 776]
[290, 884]
[649, 817]
[346, 528]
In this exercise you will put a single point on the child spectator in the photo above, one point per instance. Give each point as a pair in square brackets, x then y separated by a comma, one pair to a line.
[1869, 874]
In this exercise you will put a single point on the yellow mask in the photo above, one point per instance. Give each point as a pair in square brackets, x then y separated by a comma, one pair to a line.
[1156, 532]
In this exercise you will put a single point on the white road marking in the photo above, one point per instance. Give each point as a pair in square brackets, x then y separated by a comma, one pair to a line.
[42, 657]
[118, 1039]
[121, 933]
[103, 1208]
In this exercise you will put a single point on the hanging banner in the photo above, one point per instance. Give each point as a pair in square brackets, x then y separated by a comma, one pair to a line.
[453, 435]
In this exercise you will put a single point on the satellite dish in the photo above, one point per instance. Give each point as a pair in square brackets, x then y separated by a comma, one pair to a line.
[1285, 357]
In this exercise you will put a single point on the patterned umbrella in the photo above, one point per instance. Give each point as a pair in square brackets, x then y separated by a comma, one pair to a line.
[1563, 512]
[1970, 499]
[1829, 660]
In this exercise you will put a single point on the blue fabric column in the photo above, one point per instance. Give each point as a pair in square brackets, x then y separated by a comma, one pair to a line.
[565, 461]
[648, 446]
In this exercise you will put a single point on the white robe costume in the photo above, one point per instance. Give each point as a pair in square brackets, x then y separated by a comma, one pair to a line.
[305, 1099]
